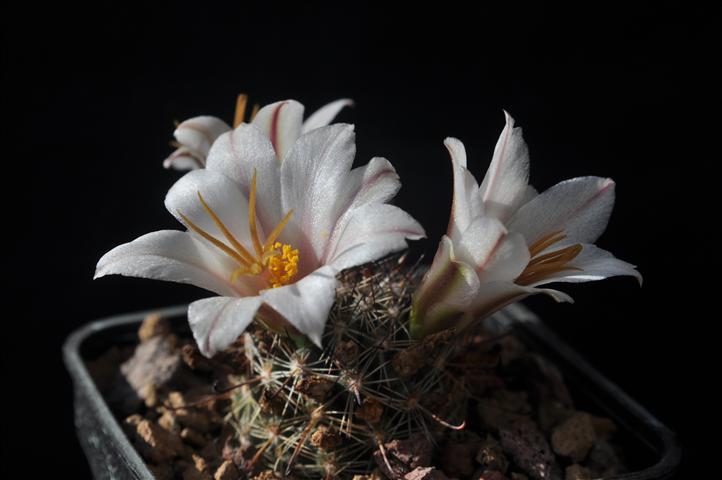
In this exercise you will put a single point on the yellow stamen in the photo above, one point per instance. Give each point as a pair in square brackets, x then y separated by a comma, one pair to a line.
[277, 231]
[548, 264]
[229, 236]
[256, 108]
[241, 102]
[546, 241]
[252, 218]
[228, 250]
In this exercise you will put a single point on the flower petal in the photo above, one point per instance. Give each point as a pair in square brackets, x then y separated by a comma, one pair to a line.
[445, 292]
[313, 183]
[580, 207]
[281, 122]
[221, 194]
[508, 261]
[497, 255]
[595, 264]
[240, 153]
[325, 115]
[504, 186]
[479, 242]
[306, 303]
[466, 204]
[183, 159]
[172, 256]
[372, 231]
[493, 296]
[218, 322]
[197, 134]
[375, 182]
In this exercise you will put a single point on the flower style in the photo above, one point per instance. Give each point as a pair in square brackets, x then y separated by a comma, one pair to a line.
[504, 240]
[282, 122]
[269, 236]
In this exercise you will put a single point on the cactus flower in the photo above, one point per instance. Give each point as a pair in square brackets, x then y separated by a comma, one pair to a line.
[269, 236]
[282, 122]
[504, 240]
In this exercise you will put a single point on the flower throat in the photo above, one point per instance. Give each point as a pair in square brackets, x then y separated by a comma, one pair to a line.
[276, 262]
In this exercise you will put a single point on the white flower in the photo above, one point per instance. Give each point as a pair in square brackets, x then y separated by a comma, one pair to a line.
[268, 236]
[504, 240]
[282, 122]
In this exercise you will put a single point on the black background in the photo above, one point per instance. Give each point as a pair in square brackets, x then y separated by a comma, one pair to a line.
[632, 93]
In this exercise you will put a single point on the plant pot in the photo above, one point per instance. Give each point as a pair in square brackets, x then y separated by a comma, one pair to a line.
[650, 447]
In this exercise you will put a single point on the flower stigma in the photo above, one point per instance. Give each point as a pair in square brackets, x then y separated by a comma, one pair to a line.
[275, 262]
[543, 266]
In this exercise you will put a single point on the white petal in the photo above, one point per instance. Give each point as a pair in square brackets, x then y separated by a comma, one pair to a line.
[495, 254]
[493, 296]
[237, 155]
[325, 115]
[313, 183]
[580, 207]
[172, 256]
[183, 159]
[504, 186]
[466, 204]
[372, 231]
[281, 122]
[198, 134]
[509, 260]
[595, 264]
[445, 292]
[306, 303]
[217, 322]
[480, 241]
[221, 194]
[375, 182]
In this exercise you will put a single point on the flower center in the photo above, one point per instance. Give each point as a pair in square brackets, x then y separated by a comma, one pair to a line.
[544, 266]
[276, 262]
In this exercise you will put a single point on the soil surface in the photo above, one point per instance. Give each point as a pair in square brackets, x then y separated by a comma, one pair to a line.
[522, 422]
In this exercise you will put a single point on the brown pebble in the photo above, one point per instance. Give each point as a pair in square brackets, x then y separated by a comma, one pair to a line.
[371, 476]
[425, 473]
[574, 437]
[153, 325]
[492, 475]
[457, 458]
[266, 475]
[491, 456]
[577, 472]
[603, 427]
[192, 473]
[161, 472]
[227, 471]
[155, 365]
[528, 448]
[168, 421]
[156, 444]
[195, 418]
[404, 455]
[193, 437]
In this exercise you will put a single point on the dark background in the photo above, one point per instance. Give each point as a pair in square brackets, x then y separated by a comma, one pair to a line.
[631, 93]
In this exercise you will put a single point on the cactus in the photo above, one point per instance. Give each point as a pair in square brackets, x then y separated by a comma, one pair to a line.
[315, 413]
